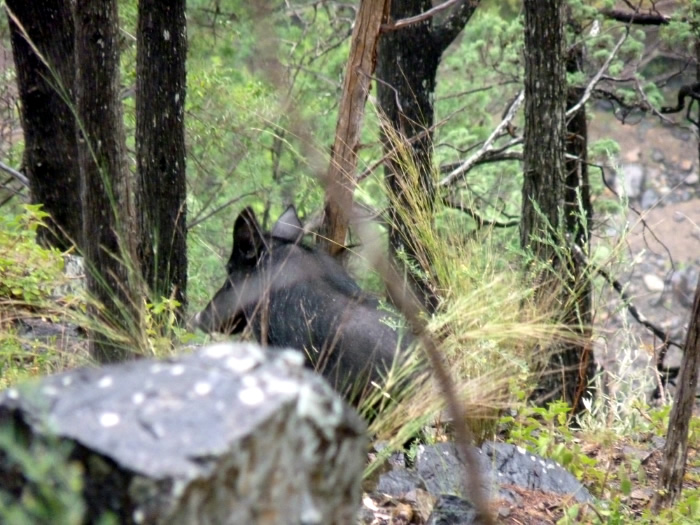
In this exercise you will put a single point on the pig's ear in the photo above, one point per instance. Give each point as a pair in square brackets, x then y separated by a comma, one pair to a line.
[288, 227]
[248, 239]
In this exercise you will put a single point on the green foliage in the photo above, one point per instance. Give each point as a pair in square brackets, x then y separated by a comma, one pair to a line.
[29, 271]
[50, 491]
[163, 328]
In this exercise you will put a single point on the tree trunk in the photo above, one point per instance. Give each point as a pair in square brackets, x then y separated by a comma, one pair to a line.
[676, 447]
[545, 102]
[104, 177]
[578, 212]
[42, 36]
[545, 193]
[407, 64]
[160, 148]
[340, 180]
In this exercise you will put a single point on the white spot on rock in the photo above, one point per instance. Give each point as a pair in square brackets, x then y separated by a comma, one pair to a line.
[105, 382]
[177, 370]
[520, 449]
[50, 391]
[283, 386]
[217, 351]
[109, 419]
[202, 388]
[240, 365]
[66, 380]
[137, 398]
[12, 393]
[251, 396]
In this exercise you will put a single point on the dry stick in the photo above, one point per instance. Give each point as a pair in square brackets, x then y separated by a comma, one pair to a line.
[410, 307]
[405, 22]
[591, 85]
[486, 147]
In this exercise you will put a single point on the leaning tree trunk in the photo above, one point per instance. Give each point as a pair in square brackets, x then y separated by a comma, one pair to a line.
[676, 446]
[340, 179]
[104, 176]
[675, 459]
[544, 192]
[160, 148]
[407, 66]
[42, 46]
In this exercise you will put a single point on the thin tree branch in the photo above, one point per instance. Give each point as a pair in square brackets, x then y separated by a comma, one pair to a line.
[412, 20]
[486, 147]
[489, 156]
[16, 174]
[592, 84]
[480, 221]
[641, 19]
[218, 209]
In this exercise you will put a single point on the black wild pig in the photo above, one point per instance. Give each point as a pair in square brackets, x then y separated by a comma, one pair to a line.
[293, 295]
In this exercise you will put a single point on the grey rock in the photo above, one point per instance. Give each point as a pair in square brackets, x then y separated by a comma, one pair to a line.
[633, 180]
[649, 199]
[502, 465]
[396, 483]
[231, 434]
[657, 155]
[653, 282]
[691, 179]
[452, 510]
[515, 466]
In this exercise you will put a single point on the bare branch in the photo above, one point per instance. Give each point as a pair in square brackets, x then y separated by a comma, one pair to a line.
[480, 221]
[592, 84]
[641, 19]
[405, 22]
[16, 174]
[219, 208]
[489, 156]
[486, 147]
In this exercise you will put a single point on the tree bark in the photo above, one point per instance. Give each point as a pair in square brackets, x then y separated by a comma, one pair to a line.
[578, 213]
[408, 59]
[340, 180]
[104, 177]
[676, 447]
[42, 36]
[545, 104]
[547, 200]
[160, 148]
